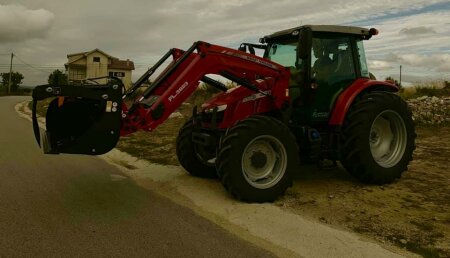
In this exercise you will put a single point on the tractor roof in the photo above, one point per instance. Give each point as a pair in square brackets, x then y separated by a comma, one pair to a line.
[325, 28]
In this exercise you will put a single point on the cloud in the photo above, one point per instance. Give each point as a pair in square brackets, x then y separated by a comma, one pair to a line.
[417, 31]
[379, 65]
[144, 30]
[423, 55]
[434, 62]
[18, 23]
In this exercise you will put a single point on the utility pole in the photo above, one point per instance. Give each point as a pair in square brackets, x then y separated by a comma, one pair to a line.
[400, 75]
[10, 74]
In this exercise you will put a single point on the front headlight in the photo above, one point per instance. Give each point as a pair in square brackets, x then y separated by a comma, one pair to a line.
[219, 109]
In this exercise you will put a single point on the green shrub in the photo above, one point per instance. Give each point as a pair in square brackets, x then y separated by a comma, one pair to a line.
[430, 89]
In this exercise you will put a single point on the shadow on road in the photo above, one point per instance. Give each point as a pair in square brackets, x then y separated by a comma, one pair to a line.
[102, 199]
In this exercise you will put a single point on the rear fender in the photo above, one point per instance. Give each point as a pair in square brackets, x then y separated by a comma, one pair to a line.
[346, 98]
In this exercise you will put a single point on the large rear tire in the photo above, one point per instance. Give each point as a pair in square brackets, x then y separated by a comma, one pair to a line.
[257, 159]
[189, 157]
[378, 138]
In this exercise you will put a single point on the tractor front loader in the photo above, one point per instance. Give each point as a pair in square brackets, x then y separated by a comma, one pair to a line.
[308, 99]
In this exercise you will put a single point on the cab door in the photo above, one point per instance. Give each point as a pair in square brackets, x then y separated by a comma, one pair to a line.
[332, 69]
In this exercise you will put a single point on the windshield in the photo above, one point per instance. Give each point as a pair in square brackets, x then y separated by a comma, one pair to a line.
[284, 54]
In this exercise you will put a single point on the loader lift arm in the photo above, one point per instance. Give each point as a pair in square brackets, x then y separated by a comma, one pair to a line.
[180, 79]
[89, 119]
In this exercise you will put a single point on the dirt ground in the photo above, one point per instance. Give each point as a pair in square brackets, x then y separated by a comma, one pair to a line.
[413, 212]
[159, 145]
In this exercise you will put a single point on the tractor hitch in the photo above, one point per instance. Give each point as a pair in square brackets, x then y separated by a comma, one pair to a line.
[82, 119]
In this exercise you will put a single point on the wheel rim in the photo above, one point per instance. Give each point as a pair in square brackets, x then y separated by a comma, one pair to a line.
[264, 161]
[388, 138]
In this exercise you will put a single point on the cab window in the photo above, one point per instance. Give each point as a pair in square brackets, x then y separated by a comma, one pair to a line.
[362, 59]
[283, 54]
[332, 60]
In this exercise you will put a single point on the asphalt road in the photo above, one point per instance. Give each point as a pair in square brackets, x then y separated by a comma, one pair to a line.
[71, 205]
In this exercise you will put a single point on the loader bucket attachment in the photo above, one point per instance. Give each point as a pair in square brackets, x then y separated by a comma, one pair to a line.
[80, 119]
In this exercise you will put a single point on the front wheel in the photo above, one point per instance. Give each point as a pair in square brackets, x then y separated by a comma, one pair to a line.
[257, 159]
[378, 138]
[190, 157]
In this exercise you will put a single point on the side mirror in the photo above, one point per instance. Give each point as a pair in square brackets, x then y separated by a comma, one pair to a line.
[242, 48]
[251, 49]
[304, 43]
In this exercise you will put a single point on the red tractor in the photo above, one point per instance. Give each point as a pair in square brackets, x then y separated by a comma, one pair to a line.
[310, 98]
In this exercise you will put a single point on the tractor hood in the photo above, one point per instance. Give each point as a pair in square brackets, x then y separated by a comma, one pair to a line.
[239, 94]
[226, 99]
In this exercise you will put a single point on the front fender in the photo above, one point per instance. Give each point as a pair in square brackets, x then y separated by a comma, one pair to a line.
[346, 98]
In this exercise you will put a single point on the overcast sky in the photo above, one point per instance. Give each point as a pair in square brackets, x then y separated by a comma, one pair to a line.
[414, 33]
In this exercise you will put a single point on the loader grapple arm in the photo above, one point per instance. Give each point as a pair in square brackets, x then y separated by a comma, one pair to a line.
[86, 124]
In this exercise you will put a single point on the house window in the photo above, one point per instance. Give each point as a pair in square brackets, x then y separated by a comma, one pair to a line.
[96, 59]
[117, 74]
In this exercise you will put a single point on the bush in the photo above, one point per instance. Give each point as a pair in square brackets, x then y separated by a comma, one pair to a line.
[430, 89]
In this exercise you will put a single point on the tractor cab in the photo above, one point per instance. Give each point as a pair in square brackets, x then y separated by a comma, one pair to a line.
[323, 61]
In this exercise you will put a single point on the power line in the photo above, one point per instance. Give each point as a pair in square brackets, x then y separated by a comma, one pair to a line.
[34, 66]
[37, 69]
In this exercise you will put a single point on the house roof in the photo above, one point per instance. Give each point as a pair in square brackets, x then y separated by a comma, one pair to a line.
[115, 63]
[90, 52]
[121, 64]
[85, 54]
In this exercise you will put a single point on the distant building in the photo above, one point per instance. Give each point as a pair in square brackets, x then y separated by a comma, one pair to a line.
[96, 63]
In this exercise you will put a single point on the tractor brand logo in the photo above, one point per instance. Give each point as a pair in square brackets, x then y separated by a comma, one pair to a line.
[256, 96]
[179, 90]
[250, 58]
[316, 114]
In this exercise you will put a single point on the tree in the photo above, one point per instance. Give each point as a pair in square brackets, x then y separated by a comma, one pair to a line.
[390, 78]
[16, 80]
[57, 77]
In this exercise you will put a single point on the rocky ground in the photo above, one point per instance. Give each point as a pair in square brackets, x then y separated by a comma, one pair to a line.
[431, 110]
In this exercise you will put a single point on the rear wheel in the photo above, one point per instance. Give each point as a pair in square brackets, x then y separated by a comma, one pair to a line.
[379, 137]
[257, 159]
[191, 157]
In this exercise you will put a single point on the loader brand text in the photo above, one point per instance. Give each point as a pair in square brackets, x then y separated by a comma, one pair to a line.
[257, 96]
[179, 90]
[250, 58]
